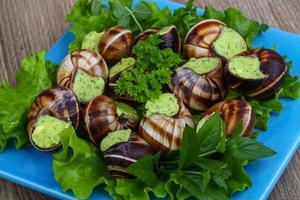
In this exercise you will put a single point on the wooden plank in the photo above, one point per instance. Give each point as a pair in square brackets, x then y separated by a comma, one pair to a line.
[28, 26]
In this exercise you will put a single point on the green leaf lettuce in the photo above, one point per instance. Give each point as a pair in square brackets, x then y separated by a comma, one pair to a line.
[34, 76]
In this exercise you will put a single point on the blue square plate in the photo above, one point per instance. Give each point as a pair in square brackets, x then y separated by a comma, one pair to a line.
[33, 169]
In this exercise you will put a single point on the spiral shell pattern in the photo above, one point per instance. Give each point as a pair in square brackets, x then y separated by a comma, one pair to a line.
[233, 111]
[115, 44]
[199, 40]
[100, 116]
[88, 61]
[197, 91]
[58, 102]
[119, 156]
[165, 133]
[272, 64]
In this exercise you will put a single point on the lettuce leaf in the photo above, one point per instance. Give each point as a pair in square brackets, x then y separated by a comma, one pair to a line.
[291, 85]
[78, 166]
[34, 76]
[233, 17]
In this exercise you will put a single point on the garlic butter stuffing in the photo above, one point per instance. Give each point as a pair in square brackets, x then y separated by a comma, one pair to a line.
[150, 100]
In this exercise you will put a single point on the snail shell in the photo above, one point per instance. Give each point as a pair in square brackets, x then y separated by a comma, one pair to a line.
[170, 36]
[119, 156]
[233, 111]
[144, 35]
[200, 40]
[115, 44]
[100, 116]
[57, 102]
[88, 61]
[272, 65]
[197, 91]
[164, 133]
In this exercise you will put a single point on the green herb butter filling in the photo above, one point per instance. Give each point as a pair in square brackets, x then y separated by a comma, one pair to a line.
[46, 131]
[246, 67]
[87, 87]
[166, 105]
[229, 43]
[126, 110]
[165, 30]
[114, 138]
[91, 40]
[121, 66]
[202, 65]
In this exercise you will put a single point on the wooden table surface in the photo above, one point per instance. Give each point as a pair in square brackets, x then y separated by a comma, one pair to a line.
[29, 25]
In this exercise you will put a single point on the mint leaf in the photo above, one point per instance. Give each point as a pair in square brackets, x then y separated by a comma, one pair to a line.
[144, 169]
[211, 134]
[192, 182]
[244, 148]
[188, 152]
[239, 180]
[220, 171]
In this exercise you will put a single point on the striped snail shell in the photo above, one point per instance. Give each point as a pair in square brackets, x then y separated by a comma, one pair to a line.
[115, 44]
[119, 156]
[164, 133]
[169, 35]
[272, 65]
[57, 102]
[89, 62]
[198, 91]
[203, 40]
[145, 34]
[101, 118]
[233, 111]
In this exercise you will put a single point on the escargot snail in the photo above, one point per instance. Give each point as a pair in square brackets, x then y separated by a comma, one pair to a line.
[51, 112]
[120, 155]
[233, 111]
[212, 37]
[85, 72]
[257, 73]
[164, 122]
[115, 44]
[199, 82]
[102, 115]
[169, 35]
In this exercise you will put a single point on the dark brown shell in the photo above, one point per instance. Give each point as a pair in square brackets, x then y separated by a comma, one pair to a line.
[272, 64]
[170, 39]
[165, 133]
[233, 111]
[58, 102]
[144, 35]
[88, 61]
[119, 156]
[199, 40]
[115, 44]
[100, 116]
[198, 92]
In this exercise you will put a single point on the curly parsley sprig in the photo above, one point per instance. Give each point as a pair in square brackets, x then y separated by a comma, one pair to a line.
[152, 71]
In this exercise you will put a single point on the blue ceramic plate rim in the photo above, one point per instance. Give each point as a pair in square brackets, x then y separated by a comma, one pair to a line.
[265, 173]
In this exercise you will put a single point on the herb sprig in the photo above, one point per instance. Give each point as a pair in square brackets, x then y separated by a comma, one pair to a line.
[152, 71]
